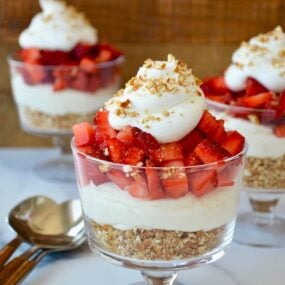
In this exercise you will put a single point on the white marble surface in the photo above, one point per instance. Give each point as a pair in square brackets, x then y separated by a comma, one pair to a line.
[241, 266]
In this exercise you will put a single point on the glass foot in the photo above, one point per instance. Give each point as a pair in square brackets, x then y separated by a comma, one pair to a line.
[59, 170]
[251, 230]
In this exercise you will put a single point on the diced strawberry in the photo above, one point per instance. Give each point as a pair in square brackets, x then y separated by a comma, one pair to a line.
[101, 138]
[145, 140]
[253, 87]
[138, 187]
[89, 171]
[228, 173]
[104, 55]
[224, 99]
[233, 143]
[279, 130]
[211, 127]
[190, 141]
[55, 57]
[81, 50]
[102, 122]
[167, 152]
[133, 156]
[192, 159]
[80, 81]
[84, 134]
[31, 55]
[59, 84]
[174, 179]
[256, 101]
[209, 151]
[280, 110]
[215, 85]
[153, 181]
[33, 74]
[116, 150]
[202, 182]
[126, 135]
[88, 65]
[93, 151]
[120, 179]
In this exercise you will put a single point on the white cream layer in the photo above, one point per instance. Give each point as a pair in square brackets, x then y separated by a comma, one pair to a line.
[262, 58]
[261, 140]
[57, 27]
[107, 204]
[42, 97]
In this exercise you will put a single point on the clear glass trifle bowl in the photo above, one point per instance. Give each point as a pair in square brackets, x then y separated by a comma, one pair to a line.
[51, 98]
[264, 175]
[162, 231]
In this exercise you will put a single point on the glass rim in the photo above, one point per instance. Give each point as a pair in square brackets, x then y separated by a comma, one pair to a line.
[207, 166]
[239, 108]
[12, 59]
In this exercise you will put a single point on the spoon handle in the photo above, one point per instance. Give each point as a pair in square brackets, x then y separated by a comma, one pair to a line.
[11, 266]
[26, 267]
[8, 250]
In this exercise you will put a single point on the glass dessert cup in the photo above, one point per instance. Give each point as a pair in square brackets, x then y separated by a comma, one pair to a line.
[158, 237]
[51, 99]
[264, 175]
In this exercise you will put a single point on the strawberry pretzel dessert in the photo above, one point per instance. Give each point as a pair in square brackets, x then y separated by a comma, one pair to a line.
[62, 74]
[159, 176]
[250, 97]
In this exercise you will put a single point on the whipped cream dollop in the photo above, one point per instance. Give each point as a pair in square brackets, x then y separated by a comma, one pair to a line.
[262, 58]
[57, 27]
[163, 99]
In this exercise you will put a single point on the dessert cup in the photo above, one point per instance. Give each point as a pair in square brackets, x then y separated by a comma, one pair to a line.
[157, 237]
[45, 111]
[264, 176]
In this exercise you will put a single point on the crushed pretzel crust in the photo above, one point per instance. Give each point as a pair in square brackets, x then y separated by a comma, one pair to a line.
[265, 173]
[36, 120]
[158, 244]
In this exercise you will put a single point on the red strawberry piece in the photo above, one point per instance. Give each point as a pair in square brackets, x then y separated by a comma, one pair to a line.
[120, 178]
[126, 135]
[88, 65]
[138, 187]
[88, 170]
[81, 50]
[84, 134]
[103, 56]
[174, 179]
[167, 152]
[234, 142]
[256, 101]
[202, 182]
[133, 156]
[93, 151]
[192, 159]
[116, 150]
[102, 122]
[153, 181]
[279, 130]
[80, 81]
[190, 141]
[209, 151]
[33, 74]
[228, 173]
[145, 140]
[253, 87]
[55, 57]
[211, 127]
[31, 55]
[59, 84]
[94, 82]
[215, 85]
[115, 52]
[224, 99]
[280, 110]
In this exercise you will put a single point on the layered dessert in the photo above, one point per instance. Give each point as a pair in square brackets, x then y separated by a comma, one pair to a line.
[62, 74]
[250, 97]
[159, 176]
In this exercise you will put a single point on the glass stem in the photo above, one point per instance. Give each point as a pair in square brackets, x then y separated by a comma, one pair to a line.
[263, 208]
[63, 144]
[159, 278]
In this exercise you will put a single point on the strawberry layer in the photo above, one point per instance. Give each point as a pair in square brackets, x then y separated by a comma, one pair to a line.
[42, 97]
[262, 142]
[107, 204]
